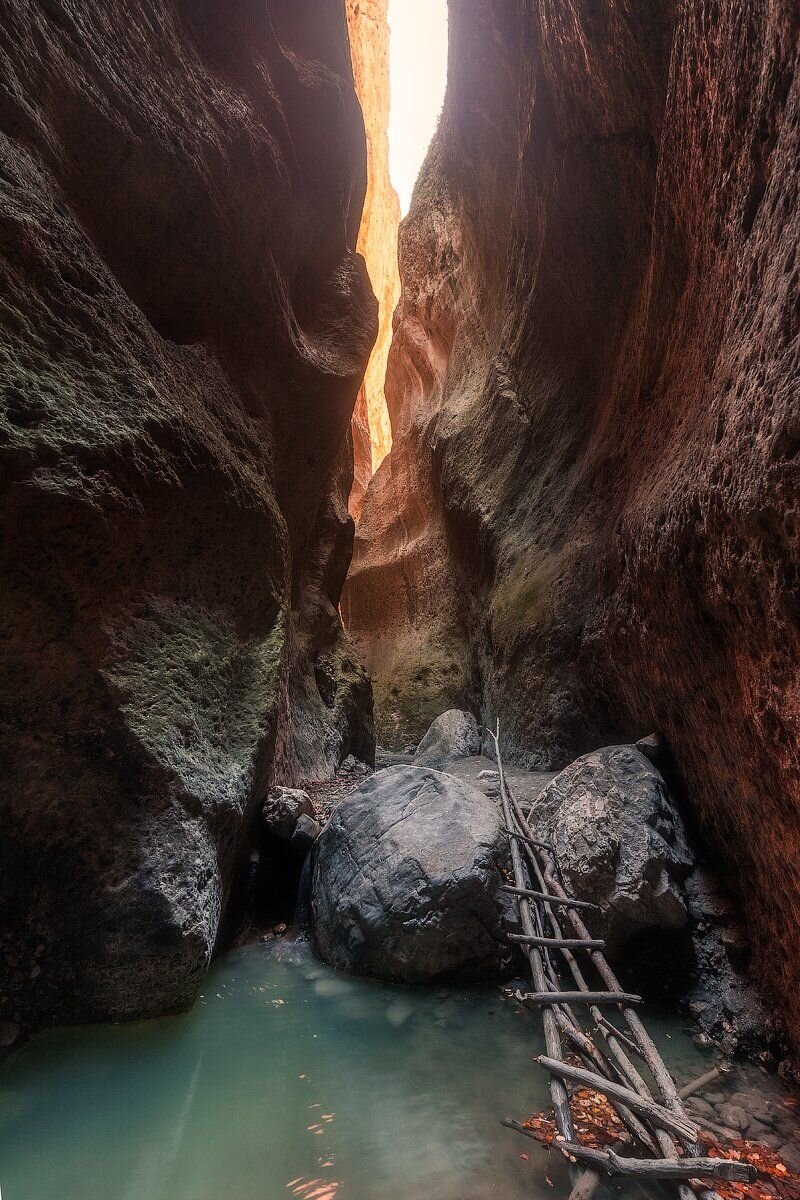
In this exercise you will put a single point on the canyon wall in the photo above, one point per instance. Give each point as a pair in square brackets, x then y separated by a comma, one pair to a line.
[185, 325]
[588, 522]
[368, 24]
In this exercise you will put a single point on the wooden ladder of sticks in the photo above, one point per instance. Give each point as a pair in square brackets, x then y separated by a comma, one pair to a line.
[662, 1141]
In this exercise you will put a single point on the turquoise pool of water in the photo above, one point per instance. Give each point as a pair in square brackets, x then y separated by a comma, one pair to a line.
[288, 1080]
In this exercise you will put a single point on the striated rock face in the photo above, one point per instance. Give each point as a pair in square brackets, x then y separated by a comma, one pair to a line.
[368, 25]
[185, 323]
[588, 523]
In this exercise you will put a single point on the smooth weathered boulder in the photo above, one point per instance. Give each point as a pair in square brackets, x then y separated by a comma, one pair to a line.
[406, 881]
[282, 809]
[454, 734]
[619, 841]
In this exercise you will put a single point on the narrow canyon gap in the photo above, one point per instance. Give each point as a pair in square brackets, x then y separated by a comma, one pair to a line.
[588, 521]
[586, 524]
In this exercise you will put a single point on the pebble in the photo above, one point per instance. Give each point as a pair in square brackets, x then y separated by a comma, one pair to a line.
[9, 1032]
[703, 1108]
[790, 1156]
[758, 1106]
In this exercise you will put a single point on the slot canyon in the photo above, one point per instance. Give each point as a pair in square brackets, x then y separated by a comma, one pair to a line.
[337, 546]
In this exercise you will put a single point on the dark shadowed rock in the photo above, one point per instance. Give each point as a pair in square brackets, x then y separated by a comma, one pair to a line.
[619, 842]
[184, 326]
[452, 735]
[406, 881]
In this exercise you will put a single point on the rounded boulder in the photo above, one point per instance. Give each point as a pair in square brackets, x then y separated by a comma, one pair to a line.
[406, 881]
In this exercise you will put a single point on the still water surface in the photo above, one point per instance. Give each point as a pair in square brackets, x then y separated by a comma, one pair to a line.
[288, 1080]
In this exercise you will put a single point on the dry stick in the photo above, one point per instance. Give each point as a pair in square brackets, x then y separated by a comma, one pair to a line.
[590, 998]
[556, 943]
[646, 1048]
[552, 1038]
[594, 1057]
[530, 894]
[611, 1029]
[624, 1066]
[690, 1088]
[730, 1170]
[571, 1026]
[551, 1034]
[656, 1113]
[586, 1186]
[591, 1055]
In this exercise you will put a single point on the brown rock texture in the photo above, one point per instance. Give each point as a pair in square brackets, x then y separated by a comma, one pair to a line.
[368, 24]
[185, 324]
[588, 523]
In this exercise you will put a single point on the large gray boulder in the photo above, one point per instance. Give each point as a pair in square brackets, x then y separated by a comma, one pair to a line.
[452, 735]
[619, 841]
[406, 881]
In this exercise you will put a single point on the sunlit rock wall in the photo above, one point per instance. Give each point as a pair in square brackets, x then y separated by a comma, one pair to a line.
[588, 523]
[184, 328]
[377, 238]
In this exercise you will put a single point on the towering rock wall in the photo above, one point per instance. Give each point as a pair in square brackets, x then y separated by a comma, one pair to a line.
[368, 23]
[588, 523]
[185, 324]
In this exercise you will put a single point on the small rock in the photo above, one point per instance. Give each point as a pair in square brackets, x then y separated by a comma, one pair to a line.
[715, 1097]
[734, 1116]
[488, 775]
[790, 1157]
[9, 1033]
[757, 1105]
[653, 747]
[702, 1108]
[354, 768]
[757, 1130]
[306, 832]
[282, 809]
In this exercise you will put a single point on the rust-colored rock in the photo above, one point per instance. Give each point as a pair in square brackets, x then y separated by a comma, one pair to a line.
[368, 25]
[185, 324]
[588, 523]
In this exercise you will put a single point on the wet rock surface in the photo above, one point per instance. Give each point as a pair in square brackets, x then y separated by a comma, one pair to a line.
[585, 525]
[406, 881]
[185, 324]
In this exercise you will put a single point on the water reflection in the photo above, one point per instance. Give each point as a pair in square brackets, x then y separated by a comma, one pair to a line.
[285, 1080]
